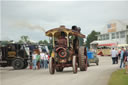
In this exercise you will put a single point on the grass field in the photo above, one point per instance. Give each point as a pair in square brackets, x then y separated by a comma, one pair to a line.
[119, 78]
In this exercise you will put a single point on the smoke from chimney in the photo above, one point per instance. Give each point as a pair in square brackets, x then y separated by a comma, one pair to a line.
[25, 24]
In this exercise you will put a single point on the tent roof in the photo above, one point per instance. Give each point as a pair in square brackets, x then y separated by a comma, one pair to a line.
[110, 44]
[122, 45]
[104, 43]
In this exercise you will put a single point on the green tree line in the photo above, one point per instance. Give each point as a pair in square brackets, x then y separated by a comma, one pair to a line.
[91, 37]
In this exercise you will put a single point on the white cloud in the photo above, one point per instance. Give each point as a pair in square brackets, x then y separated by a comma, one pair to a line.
[87, 15]
[64, 0]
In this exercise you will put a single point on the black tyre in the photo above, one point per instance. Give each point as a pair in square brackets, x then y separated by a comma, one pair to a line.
[97, 61]
[88, 63]
[17, 64]
[59, 69]
[25, 64]
[82, 59]
[74, 64]
[51, 66]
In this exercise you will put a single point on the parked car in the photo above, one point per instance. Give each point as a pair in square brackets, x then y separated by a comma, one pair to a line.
[92, 58]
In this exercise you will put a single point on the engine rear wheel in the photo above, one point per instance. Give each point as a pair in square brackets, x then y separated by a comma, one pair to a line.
[51, 66]
[17, 64]
[74, 64]
[82, 59]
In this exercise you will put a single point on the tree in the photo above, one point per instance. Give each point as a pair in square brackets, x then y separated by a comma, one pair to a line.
[41, 42]
[91, 37]
[20, 42]
[24, 39]
[45, 42]
[4, 42]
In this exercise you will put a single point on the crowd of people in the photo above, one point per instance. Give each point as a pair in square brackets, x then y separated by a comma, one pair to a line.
[40, 60]
[122, 55]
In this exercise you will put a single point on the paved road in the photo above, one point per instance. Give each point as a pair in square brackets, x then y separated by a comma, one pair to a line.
[95, 75]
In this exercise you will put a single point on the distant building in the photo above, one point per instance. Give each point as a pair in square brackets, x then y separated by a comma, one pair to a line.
[115, 32]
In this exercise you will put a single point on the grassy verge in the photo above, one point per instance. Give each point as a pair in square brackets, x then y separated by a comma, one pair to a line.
[119, 78]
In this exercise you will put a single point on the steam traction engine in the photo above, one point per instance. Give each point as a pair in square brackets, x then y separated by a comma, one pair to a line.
[67, 49]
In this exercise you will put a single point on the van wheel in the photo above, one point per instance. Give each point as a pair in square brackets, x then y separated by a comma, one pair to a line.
[97, 63]
[17, 64]
[25, 65]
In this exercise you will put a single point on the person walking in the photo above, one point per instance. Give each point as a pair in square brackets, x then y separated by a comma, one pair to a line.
[126, 60]
[122, 57]
[46, 61]
[38, 60]
[42, 59]
[114, 54]
[34, 61]
[116, 59]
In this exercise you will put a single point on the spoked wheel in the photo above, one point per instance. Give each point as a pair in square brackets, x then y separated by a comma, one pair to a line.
[17, 64]
[51, 66]
[74, 64]
[82, 59]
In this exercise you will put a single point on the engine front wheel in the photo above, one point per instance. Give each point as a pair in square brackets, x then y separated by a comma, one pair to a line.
[74, 64]
[51, 66]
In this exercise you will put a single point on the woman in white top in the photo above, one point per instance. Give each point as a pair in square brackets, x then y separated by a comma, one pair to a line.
[42, 59]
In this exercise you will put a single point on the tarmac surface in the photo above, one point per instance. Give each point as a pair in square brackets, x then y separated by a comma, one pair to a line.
[95, 75]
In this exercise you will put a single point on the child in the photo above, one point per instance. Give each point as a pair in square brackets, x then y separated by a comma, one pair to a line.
[34, 59]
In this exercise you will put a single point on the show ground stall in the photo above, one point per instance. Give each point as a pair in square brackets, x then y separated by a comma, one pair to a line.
[103, 47]
[114, 33]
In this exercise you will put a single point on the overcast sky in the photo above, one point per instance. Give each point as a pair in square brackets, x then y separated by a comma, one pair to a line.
[30, 18]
